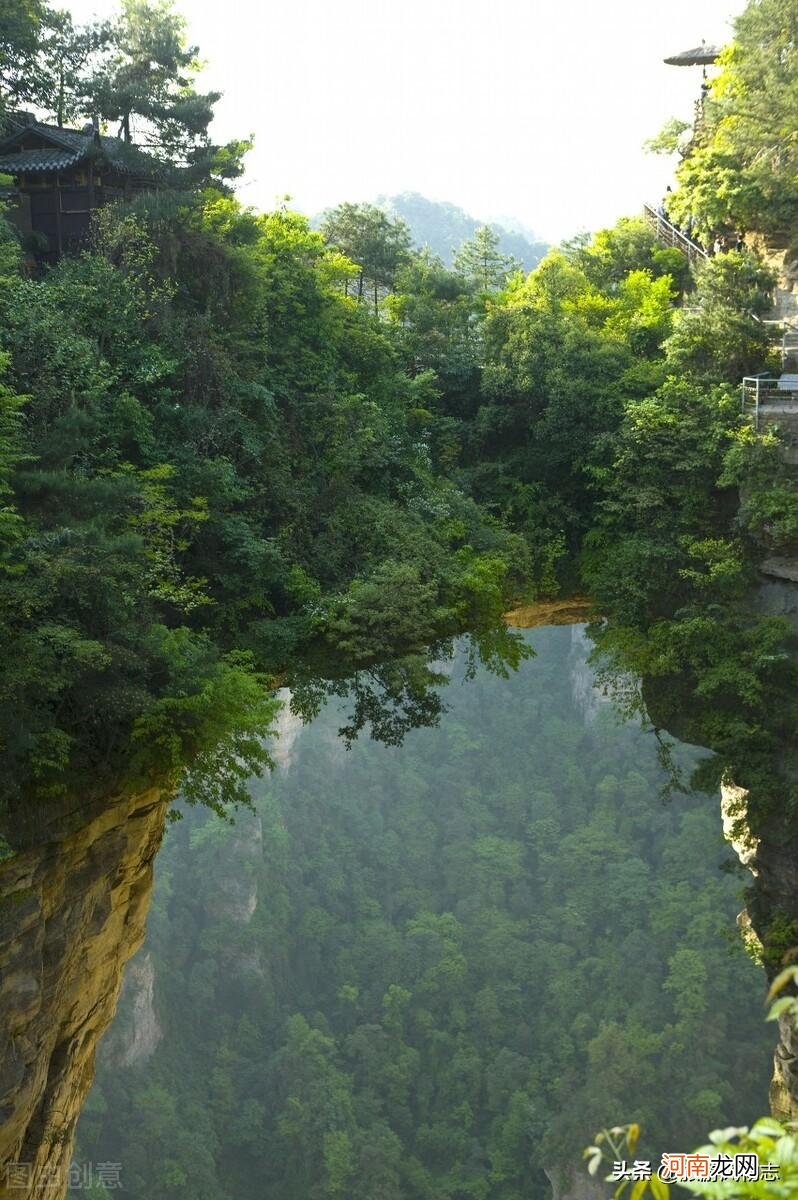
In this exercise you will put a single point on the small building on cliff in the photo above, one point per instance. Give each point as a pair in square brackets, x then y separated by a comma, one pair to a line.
[60, 176]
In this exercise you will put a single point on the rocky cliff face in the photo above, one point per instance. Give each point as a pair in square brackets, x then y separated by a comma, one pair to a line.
[773, 905]
[769, 924]
[287, 729]
[576, 1186]
[129, 1044]
[72, 911]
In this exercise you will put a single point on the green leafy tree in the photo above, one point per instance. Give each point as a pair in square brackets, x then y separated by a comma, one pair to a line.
[68, 56]
[372, 240]
[145, 83]
[20, 23]
[741, 167]
[720, 336]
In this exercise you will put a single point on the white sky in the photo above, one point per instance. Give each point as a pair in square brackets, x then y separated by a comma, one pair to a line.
[530, 109]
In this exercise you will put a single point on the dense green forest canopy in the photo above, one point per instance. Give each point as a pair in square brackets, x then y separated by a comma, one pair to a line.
[433, 972]
[739, 168]
[214, 423]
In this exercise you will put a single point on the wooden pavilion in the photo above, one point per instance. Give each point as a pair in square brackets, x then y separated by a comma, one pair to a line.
[60, 176]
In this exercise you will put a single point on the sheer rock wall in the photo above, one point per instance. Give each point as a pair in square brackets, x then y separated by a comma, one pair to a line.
[72, 912]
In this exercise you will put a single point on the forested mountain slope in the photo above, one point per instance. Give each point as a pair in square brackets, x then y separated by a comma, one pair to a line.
[444, 227]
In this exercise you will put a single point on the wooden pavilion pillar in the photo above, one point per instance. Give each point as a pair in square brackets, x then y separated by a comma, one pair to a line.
[59, 236]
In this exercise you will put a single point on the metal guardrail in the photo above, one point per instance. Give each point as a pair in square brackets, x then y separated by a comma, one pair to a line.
[759, 390]
[789, 344]
[667, 233]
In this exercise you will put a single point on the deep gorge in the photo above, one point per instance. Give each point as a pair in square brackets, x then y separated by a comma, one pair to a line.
[76, 903]
[464, 869]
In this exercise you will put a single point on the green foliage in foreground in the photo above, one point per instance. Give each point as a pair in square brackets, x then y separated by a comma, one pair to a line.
[464, 955]
[773, 1143]
[204, 434]
[671, 553]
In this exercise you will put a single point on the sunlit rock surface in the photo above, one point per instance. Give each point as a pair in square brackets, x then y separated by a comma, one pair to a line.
[72, 912]
[572, 610]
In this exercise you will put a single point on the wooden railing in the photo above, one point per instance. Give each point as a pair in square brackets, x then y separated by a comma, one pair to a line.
[667, 233]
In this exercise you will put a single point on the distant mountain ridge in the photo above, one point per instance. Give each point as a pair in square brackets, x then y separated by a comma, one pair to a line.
[444, 227]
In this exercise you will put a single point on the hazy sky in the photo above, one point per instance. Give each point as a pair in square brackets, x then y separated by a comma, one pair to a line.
[530, 109]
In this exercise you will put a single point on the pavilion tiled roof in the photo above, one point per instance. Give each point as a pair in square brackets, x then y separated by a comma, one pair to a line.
[36, 160]
[68, 147]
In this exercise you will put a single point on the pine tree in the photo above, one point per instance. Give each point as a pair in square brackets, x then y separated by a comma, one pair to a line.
[146, 87]
[481, 260]
[368, 236]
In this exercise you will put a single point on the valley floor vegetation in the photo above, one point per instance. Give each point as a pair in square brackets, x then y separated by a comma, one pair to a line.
[432, 972]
